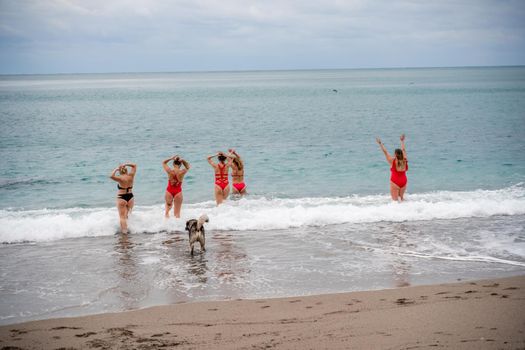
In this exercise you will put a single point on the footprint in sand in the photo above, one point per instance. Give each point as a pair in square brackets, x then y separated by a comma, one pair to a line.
[64, 327]
[85, 335]
[123, 332]
[160, 334]
[98, 343]
[491, 285]
[404, 301]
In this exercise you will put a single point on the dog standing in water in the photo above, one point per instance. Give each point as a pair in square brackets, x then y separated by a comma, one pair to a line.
[196, 232]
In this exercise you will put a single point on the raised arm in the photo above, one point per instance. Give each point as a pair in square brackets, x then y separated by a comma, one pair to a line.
[233, 154]
[402, 139]
[113, 176]
[133, 167]
[211, 161]
[185, 163]
[389, 159]
[165, 164]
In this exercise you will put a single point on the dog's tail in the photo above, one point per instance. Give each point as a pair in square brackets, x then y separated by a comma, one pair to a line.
[202, 220]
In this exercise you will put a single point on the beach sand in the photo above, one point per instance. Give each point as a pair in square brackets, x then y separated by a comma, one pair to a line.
[488, 314]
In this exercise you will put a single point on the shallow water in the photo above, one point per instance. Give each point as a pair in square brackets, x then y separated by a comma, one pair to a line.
[318, 218]
[112, 273]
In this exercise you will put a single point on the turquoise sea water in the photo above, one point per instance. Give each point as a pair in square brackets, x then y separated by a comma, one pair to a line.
[62, 135]
[314, 173]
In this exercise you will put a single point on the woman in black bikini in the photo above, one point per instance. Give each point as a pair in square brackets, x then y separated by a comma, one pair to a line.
[125, 199]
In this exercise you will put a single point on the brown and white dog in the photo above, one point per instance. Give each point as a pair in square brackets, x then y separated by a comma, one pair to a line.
[196, 232]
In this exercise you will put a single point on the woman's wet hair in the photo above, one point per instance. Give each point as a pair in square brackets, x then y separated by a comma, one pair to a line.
[399, 154]
[238, 163]
[221, 158]
[400, 158]
[123, 170]
[177, 162]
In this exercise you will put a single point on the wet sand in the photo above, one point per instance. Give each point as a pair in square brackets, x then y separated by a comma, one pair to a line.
[488, 314]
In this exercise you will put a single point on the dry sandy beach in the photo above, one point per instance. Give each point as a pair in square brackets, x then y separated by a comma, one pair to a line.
[488, 314]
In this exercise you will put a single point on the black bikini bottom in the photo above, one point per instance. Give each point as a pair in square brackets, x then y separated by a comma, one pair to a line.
[126, 196]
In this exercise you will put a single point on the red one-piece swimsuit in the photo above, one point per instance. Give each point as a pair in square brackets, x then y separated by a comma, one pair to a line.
[221, 178]
[399, 177]
[174, 187]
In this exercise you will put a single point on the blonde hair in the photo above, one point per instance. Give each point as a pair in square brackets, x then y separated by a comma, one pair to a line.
[238, 162]
[400, 158]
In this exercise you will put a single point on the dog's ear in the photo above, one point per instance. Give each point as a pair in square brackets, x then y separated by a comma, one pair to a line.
[188, 225]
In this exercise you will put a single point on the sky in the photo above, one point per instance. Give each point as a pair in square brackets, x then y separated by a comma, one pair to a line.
[100, 36]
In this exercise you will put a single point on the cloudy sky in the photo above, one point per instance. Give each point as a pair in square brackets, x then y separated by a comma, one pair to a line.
[61, 36]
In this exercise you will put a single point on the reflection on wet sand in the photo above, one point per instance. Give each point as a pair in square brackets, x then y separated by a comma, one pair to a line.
[127, 271]
[400, 266]
[231, 259]
[197, 267]
[220, 270]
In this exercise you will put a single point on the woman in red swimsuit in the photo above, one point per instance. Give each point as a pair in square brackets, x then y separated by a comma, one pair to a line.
[237, 165]
[125, 199]
[174, 189]
[222, 188]
[398, 168]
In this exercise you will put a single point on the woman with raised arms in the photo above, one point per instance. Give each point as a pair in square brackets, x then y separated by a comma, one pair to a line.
[222, 186]
[398, 168]
[237, 165]
[176, 175]
[125, 199]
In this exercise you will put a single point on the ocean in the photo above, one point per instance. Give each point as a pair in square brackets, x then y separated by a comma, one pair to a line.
[318, 217]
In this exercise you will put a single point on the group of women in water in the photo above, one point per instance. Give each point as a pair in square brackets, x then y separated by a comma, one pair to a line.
[179, 168]
[226, 161]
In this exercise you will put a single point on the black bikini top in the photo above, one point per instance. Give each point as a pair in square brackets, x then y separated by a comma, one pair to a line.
[122, 188]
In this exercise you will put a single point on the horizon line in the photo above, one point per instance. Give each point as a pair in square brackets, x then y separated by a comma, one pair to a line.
[260, 70]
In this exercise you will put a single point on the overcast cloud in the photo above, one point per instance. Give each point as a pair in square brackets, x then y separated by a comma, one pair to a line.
[182, 35]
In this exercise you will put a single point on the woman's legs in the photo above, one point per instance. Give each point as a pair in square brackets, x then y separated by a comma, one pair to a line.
[394, 191]
[122, 207]
[130, 205]
[177, 200]
[402, 192]
[169, 201]
[219, 197]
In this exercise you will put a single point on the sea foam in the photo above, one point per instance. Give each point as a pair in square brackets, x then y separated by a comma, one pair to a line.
[262, 214]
